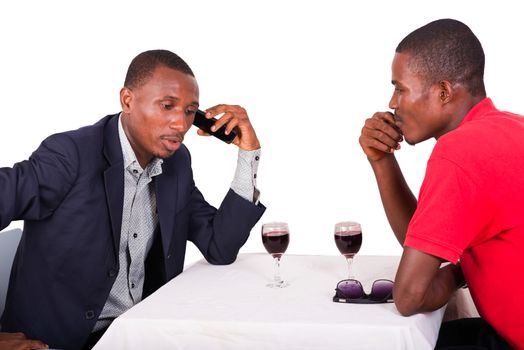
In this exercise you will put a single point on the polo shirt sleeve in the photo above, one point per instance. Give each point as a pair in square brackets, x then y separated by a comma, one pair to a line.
[450, 211]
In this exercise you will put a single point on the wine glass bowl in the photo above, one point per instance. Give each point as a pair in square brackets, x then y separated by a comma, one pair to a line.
[348, 238]
[275, 238]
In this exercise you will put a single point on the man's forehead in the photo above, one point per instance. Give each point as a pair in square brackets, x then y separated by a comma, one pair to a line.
[171, 79]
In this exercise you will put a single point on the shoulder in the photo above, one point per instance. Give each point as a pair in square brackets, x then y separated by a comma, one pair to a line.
[485, 134]
[89, 131]
[97, 130]
[74, 145]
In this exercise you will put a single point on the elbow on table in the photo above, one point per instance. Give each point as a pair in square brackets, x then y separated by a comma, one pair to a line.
[405, 309]
[221, 259]
[408, 302]
[221, 262]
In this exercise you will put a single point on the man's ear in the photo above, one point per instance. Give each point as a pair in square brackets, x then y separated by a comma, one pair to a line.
[446, 92]
[126, 96]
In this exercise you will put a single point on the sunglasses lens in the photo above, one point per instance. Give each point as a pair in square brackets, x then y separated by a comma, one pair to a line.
[350, 289]
[382, 290]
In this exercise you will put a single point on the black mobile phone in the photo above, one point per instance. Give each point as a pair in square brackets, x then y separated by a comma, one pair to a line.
[205, 124]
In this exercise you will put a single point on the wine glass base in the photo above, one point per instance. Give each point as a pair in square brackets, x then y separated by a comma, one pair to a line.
[279, 284]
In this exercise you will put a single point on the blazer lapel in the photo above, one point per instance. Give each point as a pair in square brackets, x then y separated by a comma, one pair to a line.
[114, 179]
[166, 186]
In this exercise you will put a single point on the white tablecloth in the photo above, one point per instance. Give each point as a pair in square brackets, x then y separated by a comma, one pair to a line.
[229, 307]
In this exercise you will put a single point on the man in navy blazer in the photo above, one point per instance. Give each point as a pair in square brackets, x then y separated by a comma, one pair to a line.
[88, 196]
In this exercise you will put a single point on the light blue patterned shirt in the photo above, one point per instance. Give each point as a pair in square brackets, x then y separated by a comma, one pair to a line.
[140, 219]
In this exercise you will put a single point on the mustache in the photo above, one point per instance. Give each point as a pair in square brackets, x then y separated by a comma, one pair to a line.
[176, 137]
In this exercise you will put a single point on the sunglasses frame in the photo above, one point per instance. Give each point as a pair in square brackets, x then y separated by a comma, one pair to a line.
[366, 299]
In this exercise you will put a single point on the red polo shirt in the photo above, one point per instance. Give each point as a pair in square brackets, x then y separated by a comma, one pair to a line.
[471, 208]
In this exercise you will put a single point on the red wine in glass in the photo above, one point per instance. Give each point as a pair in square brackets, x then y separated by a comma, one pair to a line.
[276, 242]
[275, 238]
[348, 238]
[349, 242]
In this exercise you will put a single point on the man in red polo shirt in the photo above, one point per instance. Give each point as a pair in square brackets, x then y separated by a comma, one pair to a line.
[470, 209]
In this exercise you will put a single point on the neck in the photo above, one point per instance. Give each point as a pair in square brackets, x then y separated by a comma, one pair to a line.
[142, 157]
[457, 109]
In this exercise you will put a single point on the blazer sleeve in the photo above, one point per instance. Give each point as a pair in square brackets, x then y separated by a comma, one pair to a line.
[33, 188]
[219, 234]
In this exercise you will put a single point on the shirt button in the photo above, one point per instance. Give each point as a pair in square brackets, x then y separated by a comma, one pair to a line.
[135, 235]
[257, 158]
[255, 176]
[132, 285]
[135, 171]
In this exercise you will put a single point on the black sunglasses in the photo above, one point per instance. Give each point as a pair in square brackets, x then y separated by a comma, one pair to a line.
[351, 291]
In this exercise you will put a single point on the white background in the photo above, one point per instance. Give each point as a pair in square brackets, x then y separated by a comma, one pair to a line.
[308, 72]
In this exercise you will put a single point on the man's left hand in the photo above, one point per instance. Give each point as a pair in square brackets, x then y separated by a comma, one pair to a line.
[18, 341]
[234, 117]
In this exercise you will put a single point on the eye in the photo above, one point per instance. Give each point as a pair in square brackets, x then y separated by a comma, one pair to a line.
[190, 112]
[397, 88]
[167, 106]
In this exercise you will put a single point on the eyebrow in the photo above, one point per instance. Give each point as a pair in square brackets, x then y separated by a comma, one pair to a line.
[169, 97]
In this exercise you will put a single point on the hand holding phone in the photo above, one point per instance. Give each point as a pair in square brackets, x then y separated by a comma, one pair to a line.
[205, 124]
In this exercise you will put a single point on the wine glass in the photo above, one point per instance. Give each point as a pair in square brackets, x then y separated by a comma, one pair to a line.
[348, 237]
[275, 237]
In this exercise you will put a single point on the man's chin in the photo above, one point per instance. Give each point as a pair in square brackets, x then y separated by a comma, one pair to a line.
[412, 141]
[166, 153]
[409, 141]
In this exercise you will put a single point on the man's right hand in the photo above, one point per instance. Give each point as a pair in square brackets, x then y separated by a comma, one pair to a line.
[380, 136]
[18, 341]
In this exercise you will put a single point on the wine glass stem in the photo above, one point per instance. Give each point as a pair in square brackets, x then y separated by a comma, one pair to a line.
[350, 263]
[277, 277]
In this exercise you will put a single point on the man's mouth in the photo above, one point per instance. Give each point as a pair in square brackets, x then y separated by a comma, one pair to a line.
[397, 118]
[172, 142]
[398, 121]
[172, 138]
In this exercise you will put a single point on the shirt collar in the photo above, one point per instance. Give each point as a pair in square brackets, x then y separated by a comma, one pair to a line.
[482, 107]
[154, 167]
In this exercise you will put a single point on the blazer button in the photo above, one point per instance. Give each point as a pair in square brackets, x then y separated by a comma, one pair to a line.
[90, 314]
[168, 256]
[111, 273]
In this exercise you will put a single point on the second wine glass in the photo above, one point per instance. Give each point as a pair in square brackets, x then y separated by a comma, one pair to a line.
[275, 237]
[348, 237]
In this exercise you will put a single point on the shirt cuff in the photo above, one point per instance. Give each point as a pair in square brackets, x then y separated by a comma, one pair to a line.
[245, 181]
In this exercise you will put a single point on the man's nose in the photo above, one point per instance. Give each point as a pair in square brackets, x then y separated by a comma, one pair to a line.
[393, 102]
[179, 121]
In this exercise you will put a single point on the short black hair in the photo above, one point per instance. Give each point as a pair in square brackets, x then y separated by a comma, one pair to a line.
[446, 49]
[143, 65]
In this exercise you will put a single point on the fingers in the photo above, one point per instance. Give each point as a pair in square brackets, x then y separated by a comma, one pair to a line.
[383, 126]
[202, 133]
[235, 117]
[11, 336]
[232, 116]
[18, 341]
[35, 344]
[379, 135]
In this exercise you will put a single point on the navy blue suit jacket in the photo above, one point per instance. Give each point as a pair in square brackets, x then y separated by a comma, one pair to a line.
[70, 194]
